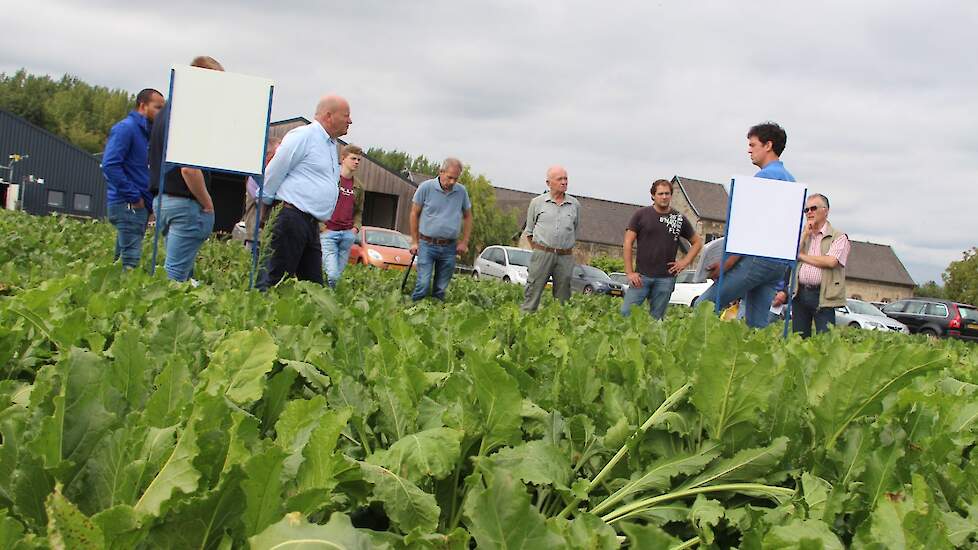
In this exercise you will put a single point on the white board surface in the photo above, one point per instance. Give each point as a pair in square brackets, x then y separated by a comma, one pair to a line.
[218, 120]
[765, 217]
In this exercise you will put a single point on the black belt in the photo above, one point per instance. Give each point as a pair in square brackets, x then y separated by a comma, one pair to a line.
[306, 215]
[809, 287]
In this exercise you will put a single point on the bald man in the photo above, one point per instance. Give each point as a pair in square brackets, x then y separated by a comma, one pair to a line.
[552, 221]
[304, 176]
[186, 211]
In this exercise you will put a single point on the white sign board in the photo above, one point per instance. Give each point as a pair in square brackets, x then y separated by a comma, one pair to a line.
[218, 120]
[765, 217]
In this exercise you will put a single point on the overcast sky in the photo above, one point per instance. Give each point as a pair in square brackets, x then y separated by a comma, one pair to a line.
[878, 97]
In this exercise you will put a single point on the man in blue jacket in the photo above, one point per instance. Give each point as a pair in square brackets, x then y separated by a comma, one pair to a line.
[753, 278]
[126, 168]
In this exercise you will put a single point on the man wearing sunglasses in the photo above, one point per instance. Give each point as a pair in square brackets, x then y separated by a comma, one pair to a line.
[753, 278]
[821, 275]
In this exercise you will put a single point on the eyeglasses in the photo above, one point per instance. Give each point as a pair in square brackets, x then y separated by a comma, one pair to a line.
[810, 209]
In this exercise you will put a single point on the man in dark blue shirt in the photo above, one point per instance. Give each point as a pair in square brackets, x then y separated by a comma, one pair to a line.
[753, 278]
[126, 169]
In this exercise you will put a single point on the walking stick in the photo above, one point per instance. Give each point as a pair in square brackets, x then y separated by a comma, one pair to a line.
[406, 273]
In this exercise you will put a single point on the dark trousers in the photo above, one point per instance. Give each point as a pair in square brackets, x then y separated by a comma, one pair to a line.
[804, 310]
[295, 249]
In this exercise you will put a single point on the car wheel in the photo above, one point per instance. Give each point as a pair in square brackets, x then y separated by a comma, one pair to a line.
[588, 290]
[693, 302]
[506, 279]
[929, 332]
[854, 325]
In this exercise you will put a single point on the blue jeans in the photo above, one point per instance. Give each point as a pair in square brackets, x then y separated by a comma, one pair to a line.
[186, 227]
[130, 224]
[753, 279]
[657, 290]
[336, 253]
[437, 258]
[804, 310]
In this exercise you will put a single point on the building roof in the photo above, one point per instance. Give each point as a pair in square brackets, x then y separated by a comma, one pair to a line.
[709, 200]
[876, 263]
[602, 221]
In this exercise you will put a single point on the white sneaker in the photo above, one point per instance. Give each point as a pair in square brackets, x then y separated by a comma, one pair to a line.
[194, 282]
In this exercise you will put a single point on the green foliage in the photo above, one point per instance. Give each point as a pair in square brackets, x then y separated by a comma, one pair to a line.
[930, 289]
[961, 278]
[140, 413]
[75, 110]
[609, 264]
[491, 226]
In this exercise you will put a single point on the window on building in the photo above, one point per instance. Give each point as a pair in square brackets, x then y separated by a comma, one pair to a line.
[56, 199]
[82, 202]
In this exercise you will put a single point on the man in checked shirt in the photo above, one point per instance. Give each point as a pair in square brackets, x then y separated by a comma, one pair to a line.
[821, 276]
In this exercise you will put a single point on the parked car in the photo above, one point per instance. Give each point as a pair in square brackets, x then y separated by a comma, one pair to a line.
[860, 314]
[506, 263]
[619, 277]
[933, 317]
[591, 280]
[688, 288]
[381, 247]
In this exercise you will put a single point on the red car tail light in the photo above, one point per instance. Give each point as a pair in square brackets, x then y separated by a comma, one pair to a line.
[956, 321]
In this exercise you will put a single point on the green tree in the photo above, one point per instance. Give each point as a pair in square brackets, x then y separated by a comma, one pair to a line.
[930, 289]
[608, 264]
[73, 109]
[961, 278]
[491, 226]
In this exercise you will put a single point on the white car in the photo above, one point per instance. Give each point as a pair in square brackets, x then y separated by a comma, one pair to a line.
[506, 263]
[687, 288]
[859, 314]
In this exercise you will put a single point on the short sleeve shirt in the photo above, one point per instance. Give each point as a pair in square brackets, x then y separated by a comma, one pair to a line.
[658, 239]
[441, 211]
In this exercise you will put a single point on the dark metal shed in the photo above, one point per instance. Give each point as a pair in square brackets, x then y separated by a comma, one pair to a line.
[72, 177]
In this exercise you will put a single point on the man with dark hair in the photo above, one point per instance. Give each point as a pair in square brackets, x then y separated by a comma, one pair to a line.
[753, 278]
[440, 208]
[126, 170]
[821, 275]
[657, 229]
[186, 213]
[304, 177]
[340, 230]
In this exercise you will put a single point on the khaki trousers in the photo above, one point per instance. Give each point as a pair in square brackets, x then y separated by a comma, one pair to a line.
[543, 265]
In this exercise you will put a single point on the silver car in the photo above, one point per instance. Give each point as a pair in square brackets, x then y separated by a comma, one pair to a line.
[859, 314]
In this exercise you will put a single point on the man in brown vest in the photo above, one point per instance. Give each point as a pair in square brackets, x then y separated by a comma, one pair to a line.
[821, 277]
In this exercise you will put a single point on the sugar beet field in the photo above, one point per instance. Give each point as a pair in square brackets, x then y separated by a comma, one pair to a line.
[140, 413]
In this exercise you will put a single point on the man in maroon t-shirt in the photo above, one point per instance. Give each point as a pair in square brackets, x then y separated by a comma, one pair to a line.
[657, 228]
[340, 231]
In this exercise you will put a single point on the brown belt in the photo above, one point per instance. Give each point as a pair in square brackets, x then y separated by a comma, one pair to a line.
[557, 251]
[433, 240]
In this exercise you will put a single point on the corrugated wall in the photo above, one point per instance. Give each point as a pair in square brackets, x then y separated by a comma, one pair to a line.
[65, 169]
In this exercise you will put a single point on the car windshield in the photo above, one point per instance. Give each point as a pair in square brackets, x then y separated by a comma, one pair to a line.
[387, 238]
[619, 277]
[519, 257]
[968, 313]
[595, 273]
[863, 308]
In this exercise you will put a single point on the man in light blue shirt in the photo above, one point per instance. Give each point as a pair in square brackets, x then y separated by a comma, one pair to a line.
[440, 206]
[753, 278]
[304, 177]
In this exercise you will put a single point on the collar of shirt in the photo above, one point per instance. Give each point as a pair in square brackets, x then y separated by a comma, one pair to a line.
[140, 120]
[330, 142]
[567, 199]
[442, 189]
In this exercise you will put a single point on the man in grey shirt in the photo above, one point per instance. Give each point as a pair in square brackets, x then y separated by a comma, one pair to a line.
[552, 221]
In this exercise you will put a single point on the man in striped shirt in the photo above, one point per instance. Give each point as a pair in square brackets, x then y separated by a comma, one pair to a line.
[822, 255]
